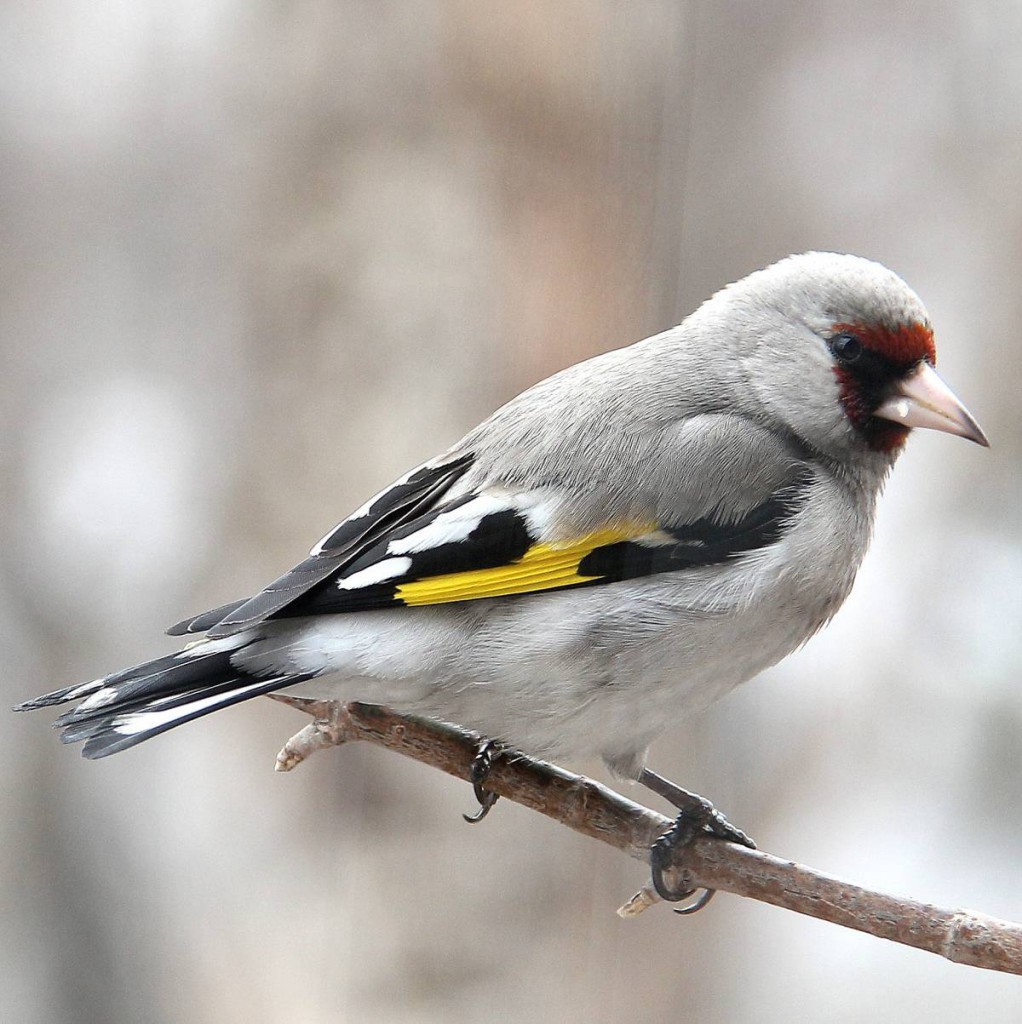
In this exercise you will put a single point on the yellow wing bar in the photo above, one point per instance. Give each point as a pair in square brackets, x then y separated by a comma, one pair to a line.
[542, 567]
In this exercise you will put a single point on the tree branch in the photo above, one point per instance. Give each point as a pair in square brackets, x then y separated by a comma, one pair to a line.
[962, 936]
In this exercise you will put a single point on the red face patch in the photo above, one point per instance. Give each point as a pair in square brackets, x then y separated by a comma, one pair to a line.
[903, 345]
[865, 375]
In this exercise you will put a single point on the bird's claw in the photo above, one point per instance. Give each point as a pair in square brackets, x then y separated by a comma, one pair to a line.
[488, 752]
[700, 819]
[719, 827]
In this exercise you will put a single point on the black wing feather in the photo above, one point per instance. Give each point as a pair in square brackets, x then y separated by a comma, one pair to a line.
[701, 542]
[404, 501]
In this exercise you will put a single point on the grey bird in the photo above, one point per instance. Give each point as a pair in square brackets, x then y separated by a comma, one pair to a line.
[616, 547]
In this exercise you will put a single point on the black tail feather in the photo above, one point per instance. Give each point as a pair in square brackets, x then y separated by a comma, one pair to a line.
[61, 696]
[205, 621]
[119, 731]
[79, 716]
[176, 677]
[186, 666]
[127, 707]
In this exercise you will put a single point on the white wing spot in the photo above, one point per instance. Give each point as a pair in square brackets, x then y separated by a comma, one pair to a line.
[541, 509]
[83, 688]
[363, 510]
[99, 698]
[449, 527]
[381, 572]
[201, 647]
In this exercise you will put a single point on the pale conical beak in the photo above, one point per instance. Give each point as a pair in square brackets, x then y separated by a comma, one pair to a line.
[922, 399]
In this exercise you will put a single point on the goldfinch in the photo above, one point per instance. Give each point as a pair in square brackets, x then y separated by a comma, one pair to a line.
[618, 546]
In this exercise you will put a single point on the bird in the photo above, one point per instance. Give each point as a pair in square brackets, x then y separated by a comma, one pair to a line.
[613, 549]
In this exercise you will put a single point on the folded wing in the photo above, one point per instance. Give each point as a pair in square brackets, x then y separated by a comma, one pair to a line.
[491, 545]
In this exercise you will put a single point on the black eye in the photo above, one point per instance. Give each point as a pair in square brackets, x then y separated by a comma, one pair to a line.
[846, 347]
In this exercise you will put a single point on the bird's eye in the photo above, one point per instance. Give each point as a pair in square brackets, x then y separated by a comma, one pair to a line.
[846, 347]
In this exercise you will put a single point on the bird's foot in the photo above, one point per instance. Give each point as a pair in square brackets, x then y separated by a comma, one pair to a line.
[697, 817]
[488, 752]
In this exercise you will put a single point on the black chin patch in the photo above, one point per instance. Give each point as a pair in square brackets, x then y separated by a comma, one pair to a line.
[864, 386]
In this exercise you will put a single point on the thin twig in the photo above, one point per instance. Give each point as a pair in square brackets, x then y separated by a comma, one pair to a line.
[963, 936]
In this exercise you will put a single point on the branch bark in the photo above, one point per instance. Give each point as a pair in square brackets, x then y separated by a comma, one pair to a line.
[962, 936]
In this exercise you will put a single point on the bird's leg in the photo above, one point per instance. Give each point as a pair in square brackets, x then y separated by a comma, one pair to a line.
[696, 817]
[488, 752]
[708, 818]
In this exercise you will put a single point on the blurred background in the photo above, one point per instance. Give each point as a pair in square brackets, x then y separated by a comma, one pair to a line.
[262, 257]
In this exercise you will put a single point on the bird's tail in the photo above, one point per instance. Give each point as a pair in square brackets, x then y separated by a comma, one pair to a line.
[130, 706]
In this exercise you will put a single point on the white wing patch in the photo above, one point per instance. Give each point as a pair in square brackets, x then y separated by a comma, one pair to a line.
[381, 572]
[201, 647]
[449, 527]
[102, 696]
[543, 510]
[83, 688]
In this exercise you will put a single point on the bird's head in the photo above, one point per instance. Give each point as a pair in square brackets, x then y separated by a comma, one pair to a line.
[840, 350]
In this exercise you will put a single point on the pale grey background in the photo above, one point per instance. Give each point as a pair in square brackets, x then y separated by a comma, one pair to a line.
[261, 257]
